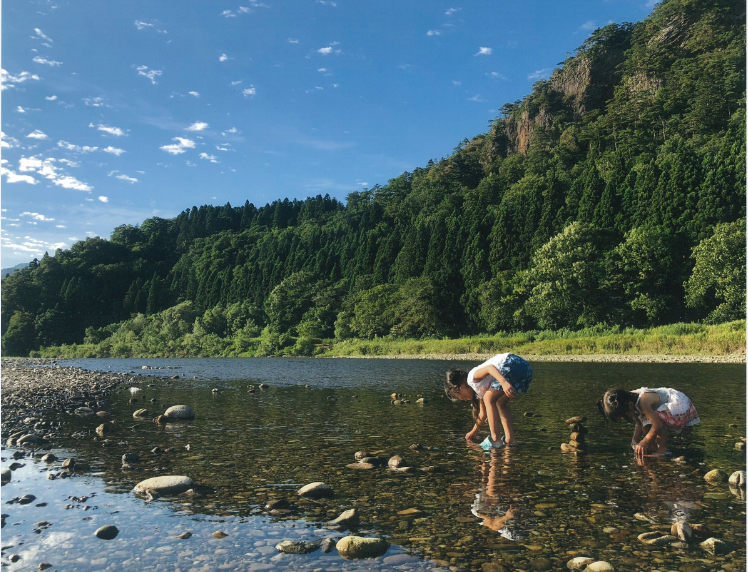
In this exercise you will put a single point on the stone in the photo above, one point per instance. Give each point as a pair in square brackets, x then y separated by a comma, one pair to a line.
[682, 530]
[740, 446]
[140, 413]
[44, 566]
[347, 518]
[107, 532]
[327, 545]
[577, 446]
[84, 411]
[714, 546]
[165, 485]
[161, 419]
[360, 466]
[715, 476]
[376, 461]
[278, 504]
[184, 535]
[577, 419]
[219, 534]
[393, 396]
[29, 439]
[26, 499]
[656, 538]
[315, 490]
[420, 400]
[5, 476]
[411, 512]
[179, 412]
[397, 402]
[403, 469]
[600, 566]
[416, 447]
[130, 458]
[49, 458]
[395, 462]
[355, 547]
[361, 454]
[103, 429]
[737, 479]
[297, 546]
[541, 563]
[102, 414]
[579, 562]
[494, 567]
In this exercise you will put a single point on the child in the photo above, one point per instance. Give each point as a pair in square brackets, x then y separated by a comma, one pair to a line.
[654, 411]
[489, 387]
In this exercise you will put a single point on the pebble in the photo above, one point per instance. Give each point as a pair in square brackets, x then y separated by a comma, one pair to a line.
[168, 484]
[579, 562]
[315, 490]
[715, 476]
[600, 566]
[347, 519]
[107, 532]
[577, 419]
[219, 534]
[395, 462]
[355, 547]
[5, 476]
[297, 546]
[49, 458]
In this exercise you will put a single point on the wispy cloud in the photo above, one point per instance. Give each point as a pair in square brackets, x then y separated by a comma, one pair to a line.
[211, 158]
[7, 80]
[38, 34]
[325, 51]
[249, 92]
[103, 200]
[94, 101]
[237, 82]
[113, 150]
[37, 216]
[292, 41]
[150, 74]
[433, 33]
[539, 74]
[8, 142]
[124, 177]
[484, 52]
[589, 26]
[496, 75]
[13, 177]
[452, 11]
[142, 25]
[222, 58]
[37, 135]
[197, 126]
[228, 14]
[46, 62]
[179, 147]
[194, 93]
[477, 97]
[116, 131]
[51, 97]
[77, 148]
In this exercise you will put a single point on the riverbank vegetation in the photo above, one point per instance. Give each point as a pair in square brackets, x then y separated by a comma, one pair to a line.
[610, 197]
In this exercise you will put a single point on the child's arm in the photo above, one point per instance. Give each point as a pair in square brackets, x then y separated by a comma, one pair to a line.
[481, 420]
[490, 369]
[646, 402]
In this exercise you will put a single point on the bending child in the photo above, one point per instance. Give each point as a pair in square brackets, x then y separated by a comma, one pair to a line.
[489, 387]
[654, 411]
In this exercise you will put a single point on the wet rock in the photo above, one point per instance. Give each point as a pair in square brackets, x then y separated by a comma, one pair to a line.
[219, 534]
[356, 547]
[49, 458]
[397, 402]
[80, 466]
[130, 458]
[416, 447]
[5, 476]
[714, 546]
[161, 420]
[44, 566]
[682, 530]
[104, 429]
[394, 396]
[577, 446]
[715, 476]
[411, 512]
[577, 419]
[395, 462]
[403, 469]
[656, 538]
[14, 557]
[107, 532]
[600, 566]
[15, 466]
[740, 446]
[179, 412]
[83, 411]
[184, 535]
[165, 485]
[140, 413]
[278, 504]
[26, 499]
[737, 479]
[315, 490]
[494, 567]
[102, 414]
[297, 546]
[541, 563]
[347, 518]
[680, 460]
[360, 466]
[431, 469]
[29, 440]
[579, 562]
[327, 545]
[420, 401]
[361, 454]
[376, 461]
[157, 450]
[577, 437]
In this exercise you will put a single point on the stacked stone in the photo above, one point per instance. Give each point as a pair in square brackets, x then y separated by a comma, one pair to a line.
[576, 443]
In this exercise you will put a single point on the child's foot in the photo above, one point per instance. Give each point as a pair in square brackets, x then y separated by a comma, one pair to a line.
[508, 444]
[487, 444]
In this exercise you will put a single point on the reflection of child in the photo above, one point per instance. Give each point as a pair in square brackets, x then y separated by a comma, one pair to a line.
[654, 411]
[489, 387]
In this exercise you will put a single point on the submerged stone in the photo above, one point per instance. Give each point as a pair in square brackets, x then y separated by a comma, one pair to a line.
[107, 532]
[169, 484]
[715, 476]
[316, 490]
[179, 412]
[297, 546]
[356, 547]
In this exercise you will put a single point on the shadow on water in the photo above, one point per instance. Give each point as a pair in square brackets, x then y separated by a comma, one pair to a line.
[526, 508]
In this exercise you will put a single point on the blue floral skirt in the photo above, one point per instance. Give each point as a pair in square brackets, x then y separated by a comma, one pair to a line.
[516, 371]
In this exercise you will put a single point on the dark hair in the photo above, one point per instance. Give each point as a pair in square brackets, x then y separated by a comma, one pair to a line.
[615, 404]
[454, 381]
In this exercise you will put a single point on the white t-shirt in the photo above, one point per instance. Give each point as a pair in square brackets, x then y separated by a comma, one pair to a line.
[481, 386]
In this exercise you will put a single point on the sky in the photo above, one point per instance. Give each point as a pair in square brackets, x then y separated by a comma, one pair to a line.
[113, 112]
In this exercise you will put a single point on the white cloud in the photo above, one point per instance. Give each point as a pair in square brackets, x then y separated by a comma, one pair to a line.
[103, 200]
[124, 177]
[116, 131]
[68, 182]
[497, 75]
[232, 130]
[7, 80]
[433, 33]
[455, 82]
[211, 158]
[178, 147]
[69, 163]
[477, 97]
[484, 52]
[244, 10]
[322, 70]
[13, 177]
[589, 26]
[223, 58]
[20, 109]
[292, 41]
[36, 216]
[94, 101]
[41, 60]
[76, 148]
[113, 150]
[197, 126]
[228, 14]
[250, 91]
[51, 98]
[325, 51]
[538, 74]
[452, 11]
[236, 82]
[37, 135]
[194, 93]
[150, 74]
[60, 226]
[327, 2]
[8, 142]
[142, 25]
[40, 35]
[219, 148]
[47, 168]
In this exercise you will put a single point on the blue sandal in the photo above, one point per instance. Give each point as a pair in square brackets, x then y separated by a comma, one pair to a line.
[487, 444]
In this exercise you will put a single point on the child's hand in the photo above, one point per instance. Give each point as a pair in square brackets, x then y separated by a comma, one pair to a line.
[508, 388]
[642, 447]
[471, 435]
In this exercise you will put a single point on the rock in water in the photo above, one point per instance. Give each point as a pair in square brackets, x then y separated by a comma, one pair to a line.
[219, 534]
[395, 462]
[103, 429]
[577, 419]
[361, 454]
[184, 535]
[714, 546]
[296, 546]
[49, 458]
[166, 485]
[179, 412]
[5, 476]
[130, 458]
[579, 563]
[355, 547]
[328, 544]
[737, 479]
[656, 538]
[715, 476]
[600, 566]
[682, 530]
[107, 532]
[315, 490]
[347, 518]
[140, 413]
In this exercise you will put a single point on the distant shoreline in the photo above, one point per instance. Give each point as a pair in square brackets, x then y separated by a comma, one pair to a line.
[589, 358]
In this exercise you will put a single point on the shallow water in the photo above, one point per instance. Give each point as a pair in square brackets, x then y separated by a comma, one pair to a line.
[249, 448]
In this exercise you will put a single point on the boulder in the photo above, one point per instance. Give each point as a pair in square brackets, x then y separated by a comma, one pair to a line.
[600, 566]
[219, 534]
[179, 412]
[737, 479]
[714, 546]
[297, 546]
[315, 490]
[715, 476]
[700, 531]
[360, 466]
[328, 545]
[107, 532]
[347, 519]
[166, 485]
[103, 429]
[579, 562]
[578, 437]
[355, 547]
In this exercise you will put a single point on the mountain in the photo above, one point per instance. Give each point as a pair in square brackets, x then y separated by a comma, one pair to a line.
[8, 271]
[613, 193]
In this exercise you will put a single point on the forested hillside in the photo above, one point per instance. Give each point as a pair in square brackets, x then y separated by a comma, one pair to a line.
[614, 193]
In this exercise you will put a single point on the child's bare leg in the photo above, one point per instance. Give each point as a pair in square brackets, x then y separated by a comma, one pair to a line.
[505, 414]
[492, 411]
[661, 441]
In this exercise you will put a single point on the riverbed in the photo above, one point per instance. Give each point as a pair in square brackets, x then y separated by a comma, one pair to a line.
[248, 446]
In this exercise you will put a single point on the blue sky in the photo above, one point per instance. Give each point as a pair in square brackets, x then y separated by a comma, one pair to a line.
[116, 111]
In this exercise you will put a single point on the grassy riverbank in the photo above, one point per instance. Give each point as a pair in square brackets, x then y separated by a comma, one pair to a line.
[725, 341]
